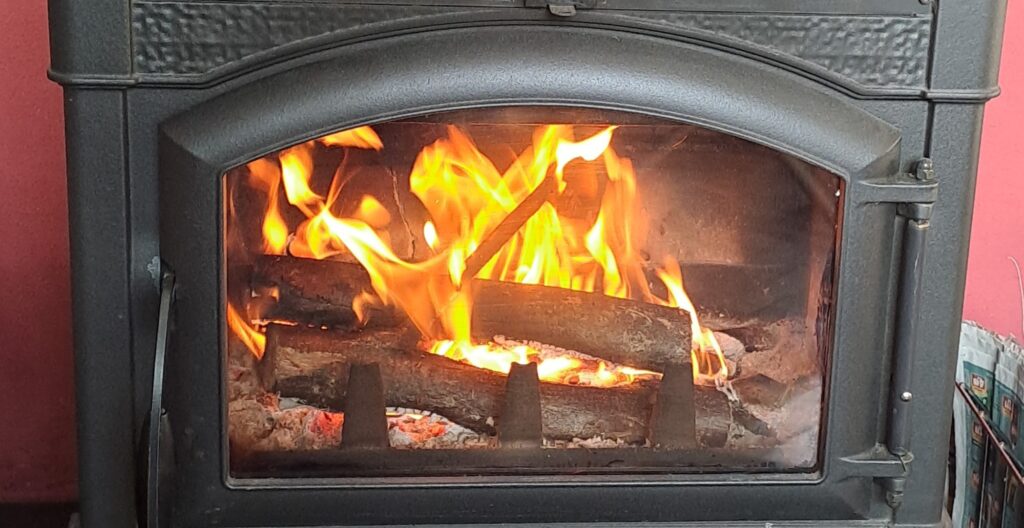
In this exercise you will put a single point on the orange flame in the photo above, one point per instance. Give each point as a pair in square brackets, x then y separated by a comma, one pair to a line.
[466, 197]
[255, 341]
[363, 137]
[267, 175]
[296, 169]
[707, 358]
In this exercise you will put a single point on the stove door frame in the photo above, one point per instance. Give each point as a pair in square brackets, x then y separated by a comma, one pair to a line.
[405, 75]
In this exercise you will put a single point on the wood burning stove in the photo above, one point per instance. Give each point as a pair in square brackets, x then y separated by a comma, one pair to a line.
[400, 262]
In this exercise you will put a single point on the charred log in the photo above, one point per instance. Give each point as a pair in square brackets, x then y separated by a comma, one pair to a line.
[312, 365]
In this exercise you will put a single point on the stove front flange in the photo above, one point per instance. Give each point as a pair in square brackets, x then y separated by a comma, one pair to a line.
[191, 197]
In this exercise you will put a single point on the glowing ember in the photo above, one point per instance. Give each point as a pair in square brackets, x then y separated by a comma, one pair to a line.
[466, 197]
[553, 364]
[327, 424]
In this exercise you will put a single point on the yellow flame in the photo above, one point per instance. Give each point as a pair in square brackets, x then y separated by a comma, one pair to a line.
[373, 213]
[275, 231]
[589, 149]
[267, 175]
[362, 137]
[430, 235]
[361, 304]
[707, 359]
[296, 169]
[252, 338]
[456, 266]
[552, 368]
[466, 197]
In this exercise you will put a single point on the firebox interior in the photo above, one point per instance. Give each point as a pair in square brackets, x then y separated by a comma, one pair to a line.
[527, 290]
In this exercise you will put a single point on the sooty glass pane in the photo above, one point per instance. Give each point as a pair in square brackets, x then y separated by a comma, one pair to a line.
[526, 290]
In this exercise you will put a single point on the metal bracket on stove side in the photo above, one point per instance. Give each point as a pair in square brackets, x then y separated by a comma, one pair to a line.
[158, 465]
[876, 463]
[917, 215]
[920, 187]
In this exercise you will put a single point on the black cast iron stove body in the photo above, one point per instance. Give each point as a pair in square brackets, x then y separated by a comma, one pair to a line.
[875, 108]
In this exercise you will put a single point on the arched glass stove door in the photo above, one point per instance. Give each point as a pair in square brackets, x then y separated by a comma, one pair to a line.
[535, 290]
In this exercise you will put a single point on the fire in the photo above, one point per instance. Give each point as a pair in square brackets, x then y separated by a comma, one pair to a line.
[267, 176]
[707, 358]
[362, 137]
[467, 198]
[255, 341]
[296, 168]
[554, 366]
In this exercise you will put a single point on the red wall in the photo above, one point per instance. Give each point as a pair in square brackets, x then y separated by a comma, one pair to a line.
[36, 406]
[37, 448]
[993, 298]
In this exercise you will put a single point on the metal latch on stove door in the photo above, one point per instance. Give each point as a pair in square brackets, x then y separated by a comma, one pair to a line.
[564, 8]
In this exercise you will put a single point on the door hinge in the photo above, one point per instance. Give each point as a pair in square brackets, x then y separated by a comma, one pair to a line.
[908, 307]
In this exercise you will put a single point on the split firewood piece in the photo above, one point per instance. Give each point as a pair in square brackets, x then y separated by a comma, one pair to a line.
[312, 365]
[317, 292]
[623, 331]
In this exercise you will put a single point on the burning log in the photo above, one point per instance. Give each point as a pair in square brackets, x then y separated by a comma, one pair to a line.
[627, 332]
[317, 292]
[312, 365]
